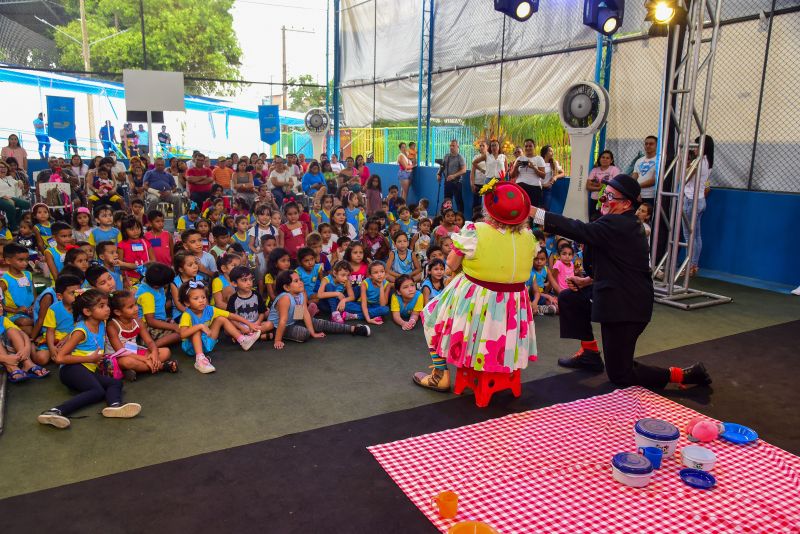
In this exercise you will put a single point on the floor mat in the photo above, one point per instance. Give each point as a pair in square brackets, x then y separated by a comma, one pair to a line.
[325, 480]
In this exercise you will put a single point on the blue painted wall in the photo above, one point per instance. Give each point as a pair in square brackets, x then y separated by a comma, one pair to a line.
[752, 234]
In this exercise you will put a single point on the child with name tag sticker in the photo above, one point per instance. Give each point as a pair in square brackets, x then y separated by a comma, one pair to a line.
[134, 250]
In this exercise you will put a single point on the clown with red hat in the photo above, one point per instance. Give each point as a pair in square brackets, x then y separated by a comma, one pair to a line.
[483, 319]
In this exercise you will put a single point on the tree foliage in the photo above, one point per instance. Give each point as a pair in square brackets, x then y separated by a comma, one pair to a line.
[303, 98]
[193, 36]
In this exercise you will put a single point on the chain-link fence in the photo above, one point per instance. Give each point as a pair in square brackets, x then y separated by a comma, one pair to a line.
[752, 118]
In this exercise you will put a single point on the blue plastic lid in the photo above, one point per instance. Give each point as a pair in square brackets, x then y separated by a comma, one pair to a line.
[698, 478]
[738, 434]
[656, 429]
[631, 463]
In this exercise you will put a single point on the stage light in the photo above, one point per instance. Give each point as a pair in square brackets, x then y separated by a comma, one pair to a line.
[604, 16]
[520, 10]
[663, 13]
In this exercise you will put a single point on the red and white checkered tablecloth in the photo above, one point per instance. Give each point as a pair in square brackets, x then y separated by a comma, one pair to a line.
[549, 470]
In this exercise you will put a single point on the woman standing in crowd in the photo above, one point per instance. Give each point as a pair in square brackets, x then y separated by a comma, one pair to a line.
[552, 173]
[404, 174]
[528, 171]
[14, 150]
[362, 170]
[604, 170]
[702, 192]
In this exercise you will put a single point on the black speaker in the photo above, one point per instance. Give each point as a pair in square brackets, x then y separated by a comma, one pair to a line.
[141, 116]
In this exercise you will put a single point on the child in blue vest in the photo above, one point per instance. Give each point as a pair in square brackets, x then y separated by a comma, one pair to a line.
[435, 282]
[98, 277]
[57, 320]
[221, 288]
[187, 269]
[17, 287]
[375, 292]
[291, 320]
[188, 221]
[54, 255]
[311, 274]
[18, 365]
[152, 300]
[406, 302]
[402, 260]
[41, 227]
[104, 229]
[201, 325]
[78, 358]
[336, 293]
[108, 255]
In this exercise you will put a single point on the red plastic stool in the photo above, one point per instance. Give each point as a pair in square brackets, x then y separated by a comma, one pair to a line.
[485, 384]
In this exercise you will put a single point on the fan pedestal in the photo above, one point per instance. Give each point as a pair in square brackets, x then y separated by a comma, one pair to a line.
[577, 203]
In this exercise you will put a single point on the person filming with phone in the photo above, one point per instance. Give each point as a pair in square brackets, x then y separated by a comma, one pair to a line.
[529, 172]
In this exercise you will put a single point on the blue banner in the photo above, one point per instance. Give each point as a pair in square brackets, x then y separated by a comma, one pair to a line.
[269, 124]
[61, 117]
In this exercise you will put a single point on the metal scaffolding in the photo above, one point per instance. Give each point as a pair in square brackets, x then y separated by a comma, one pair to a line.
[680, 117]
[425, 86]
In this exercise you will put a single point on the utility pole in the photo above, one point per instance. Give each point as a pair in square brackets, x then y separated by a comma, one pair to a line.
[284, 29]
[283, 52]
[87, 66]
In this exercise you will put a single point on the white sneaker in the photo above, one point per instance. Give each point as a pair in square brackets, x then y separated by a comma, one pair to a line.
[125, 411]
[53, 417]
[249, 340]
[203, 365]
[796, 291]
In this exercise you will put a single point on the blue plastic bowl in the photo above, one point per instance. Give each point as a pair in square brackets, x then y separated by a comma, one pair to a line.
[738, 434]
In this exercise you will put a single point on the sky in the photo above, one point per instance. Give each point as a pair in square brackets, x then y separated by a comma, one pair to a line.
[258, 27]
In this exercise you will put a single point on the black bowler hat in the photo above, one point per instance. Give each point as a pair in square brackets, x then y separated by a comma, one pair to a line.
[626, 185]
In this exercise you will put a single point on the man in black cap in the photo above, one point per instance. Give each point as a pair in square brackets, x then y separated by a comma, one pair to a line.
[617, 291]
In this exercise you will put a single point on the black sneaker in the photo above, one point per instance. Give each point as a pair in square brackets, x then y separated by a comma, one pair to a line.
[361, 330]
[53, 417]
[589, 360]
[696, 375]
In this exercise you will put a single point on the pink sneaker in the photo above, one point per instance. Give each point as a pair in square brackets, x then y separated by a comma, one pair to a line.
[336, 317]
[203, 365]
[347, 316]
[249, 340]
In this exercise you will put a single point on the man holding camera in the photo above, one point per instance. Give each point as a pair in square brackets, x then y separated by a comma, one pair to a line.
[528, 171]
[453, 167]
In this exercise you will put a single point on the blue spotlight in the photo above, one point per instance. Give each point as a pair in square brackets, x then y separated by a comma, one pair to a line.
[604, 16]
[520, 10]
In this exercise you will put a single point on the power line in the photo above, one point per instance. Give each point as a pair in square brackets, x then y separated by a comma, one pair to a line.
[190, 78]
[269, 4]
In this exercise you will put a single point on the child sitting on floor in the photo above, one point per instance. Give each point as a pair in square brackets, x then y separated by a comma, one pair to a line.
[79, 357]
[152, 301]
[406, 302]
[58, 321]
[124, 331]
[221, 288]
[19, 293]
[19, 365]
[291, 319]
[336, 293]
[435, 282]
[375, 292]
[245, 302]
[201, 324]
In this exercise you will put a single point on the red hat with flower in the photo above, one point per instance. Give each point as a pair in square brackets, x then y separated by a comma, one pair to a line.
[506, 202]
